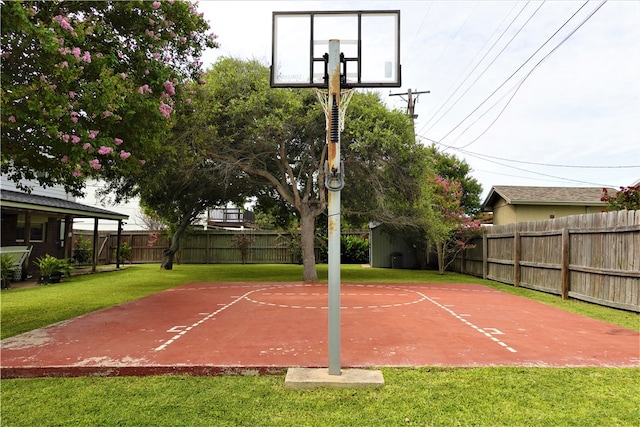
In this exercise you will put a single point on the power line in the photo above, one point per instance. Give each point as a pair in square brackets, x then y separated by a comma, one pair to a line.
[471, 153]
[478, 64]
[514, 73]
[519, 85]
[522, 169]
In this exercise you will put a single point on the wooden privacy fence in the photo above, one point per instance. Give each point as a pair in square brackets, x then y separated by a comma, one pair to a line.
[204, 247]
[594, 257]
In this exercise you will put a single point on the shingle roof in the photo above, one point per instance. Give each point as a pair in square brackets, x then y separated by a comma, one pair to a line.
[519, 195]
[17, 199]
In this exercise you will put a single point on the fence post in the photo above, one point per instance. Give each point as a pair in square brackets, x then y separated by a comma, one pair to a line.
[485, 253]
[564, 272]
[517, 254]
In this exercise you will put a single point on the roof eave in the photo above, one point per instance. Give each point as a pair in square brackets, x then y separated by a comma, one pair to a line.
[75, 212]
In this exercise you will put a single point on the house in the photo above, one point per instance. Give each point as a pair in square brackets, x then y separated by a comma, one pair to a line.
[511, 204]
[43, 222]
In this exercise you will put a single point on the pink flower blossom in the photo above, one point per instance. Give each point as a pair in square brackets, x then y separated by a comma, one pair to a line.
[123, 75]
[86, 146]
[188, 100]
[72, 95]
[143, 89]
[156, 4]
[76, 172]
[117, 141]
[142, 162]
[165, 109]
[93, 134]
[95, 164]
[75, 139]
[74, 119]
[168, 86]
[124, 154]
[86, 57]
[105, 150]
[63, 22]
[76, 52]
[106, 113]
[65, 137]
[151, 21]
[64, 64]
[64, 159]
[12, 119]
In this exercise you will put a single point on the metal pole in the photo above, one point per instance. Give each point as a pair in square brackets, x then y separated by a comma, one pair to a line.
[335, 179]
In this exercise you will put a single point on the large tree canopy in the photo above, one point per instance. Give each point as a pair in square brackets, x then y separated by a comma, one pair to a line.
[277, 139]
[88, 88]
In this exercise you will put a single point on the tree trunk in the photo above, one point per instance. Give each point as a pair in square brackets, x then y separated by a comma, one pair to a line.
[168, 253]
[440, 249]
[307, 240]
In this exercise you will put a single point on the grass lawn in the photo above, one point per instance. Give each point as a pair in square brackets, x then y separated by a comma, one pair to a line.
[420, 396]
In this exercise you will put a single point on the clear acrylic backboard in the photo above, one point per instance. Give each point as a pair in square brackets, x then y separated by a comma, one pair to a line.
[369, 44]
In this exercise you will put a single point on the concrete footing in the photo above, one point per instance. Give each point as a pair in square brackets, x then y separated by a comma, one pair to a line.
[298, 378]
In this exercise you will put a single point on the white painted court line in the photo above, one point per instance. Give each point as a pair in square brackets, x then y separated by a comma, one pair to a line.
[395, 292]
[461, 317]
[182, 330]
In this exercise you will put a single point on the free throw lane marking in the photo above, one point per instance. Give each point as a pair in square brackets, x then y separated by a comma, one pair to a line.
[488, 332]
[182, 330]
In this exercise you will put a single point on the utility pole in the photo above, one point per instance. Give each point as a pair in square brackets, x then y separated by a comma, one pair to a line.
[411, 101]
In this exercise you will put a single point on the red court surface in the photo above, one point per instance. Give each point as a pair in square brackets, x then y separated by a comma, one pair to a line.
[214, 328]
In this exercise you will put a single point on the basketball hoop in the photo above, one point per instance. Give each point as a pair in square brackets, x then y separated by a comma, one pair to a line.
[345, 97]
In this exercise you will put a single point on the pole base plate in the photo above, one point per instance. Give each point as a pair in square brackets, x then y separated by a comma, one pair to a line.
[305, 378]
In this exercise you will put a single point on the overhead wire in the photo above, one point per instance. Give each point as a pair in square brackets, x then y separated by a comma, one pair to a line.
[472, 61]
[478, 64]
[536, 163]
[526, 170]
[514, 73]
[519, 84]
[450, 43]
[418, 32]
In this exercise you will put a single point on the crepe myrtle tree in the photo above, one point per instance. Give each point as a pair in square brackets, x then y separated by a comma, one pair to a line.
[442, 221]
[89, 88]
[626, 198]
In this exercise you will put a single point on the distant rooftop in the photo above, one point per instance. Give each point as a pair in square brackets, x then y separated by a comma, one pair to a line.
[522, 195]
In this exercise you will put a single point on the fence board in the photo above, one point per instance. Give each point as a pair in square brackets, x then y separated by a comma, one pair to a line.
[601, 257]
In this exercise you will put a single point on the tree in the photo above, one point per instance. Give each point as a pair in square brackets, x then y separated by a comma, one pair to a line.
[274, 137]
[180, 182]
[626, 198]
[451, 168]
[447, 226]
[277, 139]
[88, 88]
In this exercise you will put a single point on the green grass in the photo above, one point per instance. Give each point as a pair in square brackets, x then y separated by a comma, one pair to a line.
[420, 396]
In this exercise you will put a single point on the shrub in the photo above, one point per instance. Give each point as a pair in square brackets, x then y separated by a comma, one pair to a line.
[125, 252]
[354, 250]
[82, 250]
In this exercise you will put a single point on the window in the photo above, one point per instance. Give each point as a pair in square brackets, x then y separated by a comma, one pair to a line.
[38, 229]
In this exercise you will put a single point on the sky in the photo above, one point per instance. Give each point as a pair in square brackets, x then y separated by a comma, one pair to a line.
[527, 93]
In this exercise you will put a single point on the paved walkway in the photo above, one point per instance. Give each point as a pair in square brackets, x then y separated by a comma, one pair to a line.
[212, 328]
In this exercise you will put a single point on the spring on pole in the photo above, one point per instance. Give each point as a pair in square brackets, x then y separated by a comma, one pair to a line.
[335, 121]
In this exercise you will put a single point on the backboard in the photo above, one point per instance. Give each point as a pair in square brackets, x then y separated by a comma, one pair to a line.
[369, 47]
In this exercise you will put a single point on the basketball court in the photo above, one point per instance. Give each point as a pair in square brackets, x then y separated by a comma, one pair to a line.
[217, 328]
